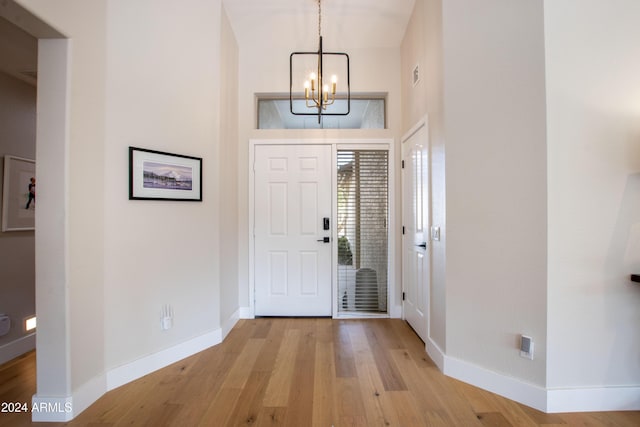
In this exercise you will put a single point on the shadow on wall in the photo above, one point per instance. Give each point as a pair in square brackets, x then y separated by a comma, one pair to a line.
[623, 259]
[624, 249]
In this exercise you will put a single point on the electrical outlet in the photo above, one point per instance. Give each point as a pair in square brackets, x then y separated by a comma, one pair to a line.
[166, 317]
[526, 347]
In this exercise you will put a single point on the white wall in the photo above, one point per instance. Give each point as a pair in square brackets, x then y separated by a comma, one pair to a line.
[162, 81]
[593, 120]
[494, 116]
[422, 47]
[228, 246]
[507, 272]
[70, 154]
[146, 74]
[17, 248]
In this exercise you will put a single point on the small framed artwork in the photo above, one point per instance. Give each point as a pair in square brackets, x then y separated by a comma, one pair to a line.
[18, 194]
[156, 175]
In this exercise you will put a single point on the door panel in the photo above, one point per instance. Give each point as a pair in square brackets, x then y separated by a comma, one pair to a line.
[309, 208]
[416, 220]
[278, 273]
[277, 203]
[292, 262]
[309, 278]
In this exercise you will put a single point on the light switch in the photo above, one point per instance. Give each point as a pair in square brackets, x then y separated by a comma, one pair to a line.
[435, 233]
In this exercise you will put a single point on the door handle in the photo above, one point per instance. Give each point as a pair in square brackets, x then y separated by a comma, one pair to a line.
[325, 240]
[422, 245]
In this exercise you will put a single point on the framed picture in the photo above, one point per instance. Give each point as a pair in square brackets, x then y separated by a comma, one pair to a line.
[18, 194]
[155, 175]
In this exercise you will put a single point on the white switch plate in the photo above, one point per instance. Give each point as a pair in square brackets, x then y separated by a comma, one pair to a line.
[435, 233]
[166, 317]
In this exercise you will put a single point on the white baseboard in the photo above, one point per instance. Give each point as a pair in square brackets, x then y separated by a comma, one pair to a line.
[88, 393]
[623, 398]
[594, 399]
[17, 347]
[435, 353]
[51, 409]
[509, 387]
[62, 409]
[228, 324]
[141, 367]
[246, 313]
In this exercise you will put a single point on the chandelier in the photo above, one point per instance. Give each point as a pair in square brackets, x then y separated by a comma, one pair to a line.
[319, 92]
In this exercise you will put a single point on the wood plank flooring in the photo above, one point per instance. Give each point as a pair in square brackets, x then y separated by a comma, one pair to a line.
[302, 372]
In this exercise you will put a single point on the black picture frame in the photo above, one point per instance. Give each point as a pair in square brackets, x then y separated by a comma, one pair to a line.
[158, 175]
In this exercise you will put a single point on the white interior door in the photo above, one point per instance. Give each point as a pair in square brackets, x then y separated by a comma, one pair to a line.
[292, 247]
[416, 221]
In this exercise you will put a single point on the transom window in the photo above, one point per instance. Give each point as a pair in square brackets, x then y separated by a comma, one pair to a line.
[366, 113]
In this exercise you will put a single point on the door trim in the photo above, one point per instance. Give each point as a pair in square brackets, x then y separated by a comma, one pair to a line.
[394, 258]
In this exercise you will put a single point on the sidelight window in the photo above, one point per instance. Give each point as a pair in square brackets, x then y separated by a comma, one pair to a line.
[362, 226]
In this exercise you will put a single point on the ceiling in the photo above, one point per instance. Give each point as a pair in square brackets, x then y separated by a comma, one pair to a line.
[19, 33]
[290, 24]
[19, 52]
[294, 23]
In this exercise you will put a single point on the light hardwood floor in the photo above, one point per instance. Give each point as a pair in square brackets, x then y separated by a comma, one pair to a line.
[302, 372]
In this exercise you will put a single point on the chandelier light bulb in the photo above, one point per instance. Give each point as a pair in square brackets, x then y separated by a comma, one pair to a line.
[312, 77]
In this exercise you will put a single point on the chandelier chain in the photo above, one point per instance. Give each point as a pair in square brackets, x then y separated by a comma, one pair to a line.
[319, 19]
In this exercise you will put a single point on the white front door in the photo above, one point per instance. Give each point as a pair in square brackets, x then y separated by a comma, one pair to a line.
[292, 248]
[416, 221]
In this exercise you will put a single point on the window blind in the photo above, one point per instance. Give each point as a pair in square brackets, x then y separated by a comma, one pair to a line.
[363, 211]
